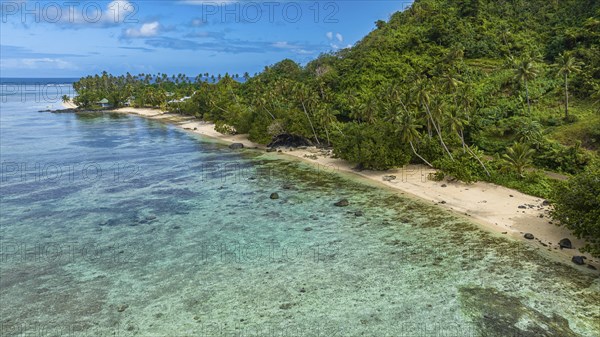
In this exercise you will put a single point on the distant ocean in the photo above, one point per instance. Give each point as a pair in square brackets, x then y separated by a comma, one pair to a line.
[118, 225]
[10, 80]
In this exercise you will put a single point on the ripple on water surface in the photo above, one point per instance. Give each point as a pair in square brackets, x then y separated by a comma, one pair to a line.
[193, 244]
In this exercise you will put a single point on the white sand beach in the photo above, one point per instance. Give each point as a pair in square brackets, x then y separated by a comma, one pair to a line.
[495, 208]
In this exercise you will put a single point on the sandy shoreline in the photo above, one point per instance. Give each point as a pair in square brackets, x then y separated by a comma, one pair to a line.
[494, 208]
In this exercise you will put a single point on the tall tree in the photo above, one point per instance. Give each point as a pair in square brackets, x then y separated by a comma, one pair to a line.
[424, 99]
[566, 65]
[408, 129]
[526, 71]
[519, 157]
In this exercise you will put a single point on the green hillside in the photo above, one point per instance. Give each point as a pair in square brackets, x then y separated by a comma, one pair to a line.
[502, 91]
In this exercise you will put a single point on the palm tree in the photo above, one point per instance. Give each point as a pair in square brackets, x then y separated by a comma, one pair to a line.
[303, 95]
[519, 157]
[367, 110]
[408, 128]
[526, 71]
[567, 65]
[530, 132]
[458, 122]
[424, 99]
[596, 95]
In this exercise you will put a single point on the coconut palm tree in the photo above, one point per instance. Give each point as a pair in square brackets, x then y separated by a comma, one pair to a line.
[530, 132]
[408, 129]
[526, 71]
[457, 122]
[303, 95]
[407, 125]
[519, 156]
[368, 110]
[596, 95]
[566, 65]
[423, 98]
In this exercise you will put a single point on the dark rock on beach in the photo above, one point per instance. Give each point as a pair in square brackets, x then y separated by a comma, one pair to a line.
[529, 236]
[236, 146]
[389, 178]
[565, 243]
[287, 140]
[342, 203]
[578, 260]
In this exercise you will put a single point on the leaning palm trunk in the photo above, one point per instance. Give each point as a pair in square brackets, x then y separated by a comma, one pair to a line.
[411, 143]
[465, 147]
[269, 112]
[418, 155]
[435, 126]
[527, 95]
[310, 122]
[566, 96]
[480, 162]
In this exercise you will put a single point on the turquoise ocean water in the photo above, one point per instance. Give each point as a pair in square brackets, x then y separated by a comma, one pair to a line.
[115, 225]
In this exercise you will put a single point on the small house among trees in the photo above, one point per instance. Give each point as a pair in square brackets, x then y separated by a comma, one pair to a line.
[103, 103]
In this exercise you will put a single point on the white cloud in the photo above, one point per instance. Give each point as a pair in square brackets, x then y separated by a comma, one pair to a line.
[197, 22]
[292, 47]
[37, 63]
[147, 30]
[115, 13]
[339, 37]
[329, 35]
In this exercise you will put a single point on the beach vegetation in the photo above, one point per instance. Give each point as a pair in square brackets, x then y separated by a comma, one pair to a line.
[505, 92]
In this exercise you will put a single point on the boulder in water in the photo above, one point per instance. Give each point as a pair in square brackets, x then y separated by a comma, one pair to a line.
[236, 146]
[342, 203]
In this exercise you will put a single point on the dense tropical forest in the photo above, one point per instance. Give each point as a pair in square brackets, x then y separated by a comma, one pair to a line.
[505, 91]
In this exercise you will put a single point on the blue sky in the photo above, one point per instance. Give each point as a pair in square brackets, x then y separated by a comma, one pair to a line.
[73, 38]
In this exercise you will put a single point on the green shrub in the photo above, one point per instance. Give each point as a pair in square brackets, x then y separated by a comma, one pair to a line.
[371, 146]
[577, 206]
[464, 167]
[534, 183]
[225, 129]
[557, 157]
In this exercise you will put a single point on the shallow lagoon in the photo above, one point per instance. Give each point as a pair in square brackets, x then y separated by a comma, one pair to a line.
[114, 224]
